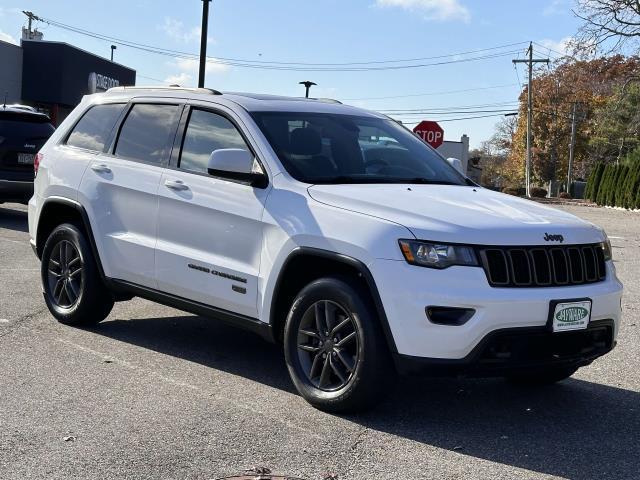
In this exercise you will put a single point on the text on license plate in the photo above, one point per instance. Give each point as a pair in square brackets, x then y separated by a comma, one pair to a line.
[571, 315]
[25, 158]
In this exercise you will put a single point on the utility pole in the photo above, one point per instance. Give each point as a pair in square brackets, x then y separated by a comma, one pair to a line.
[307, 84]
[572, 145]
[529, 61]
[203, 42]
[31, 18]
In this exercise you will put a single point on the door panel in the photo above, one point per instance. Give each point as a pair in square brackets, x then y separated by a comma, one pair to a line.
[121, 191]
[123, 199]
[209, 230]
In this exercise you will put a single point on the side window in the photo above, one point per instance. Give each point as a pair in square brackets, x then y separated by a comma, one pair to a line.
[93, 129]
[206, 132]
[146, 132]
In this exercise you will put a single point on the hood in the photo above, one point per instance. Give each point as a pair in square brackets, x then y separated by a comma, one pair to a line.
[460, 214]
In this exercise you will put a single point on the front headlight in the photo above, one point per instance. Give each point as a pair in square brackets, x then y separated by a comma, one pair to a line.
[606, 249]
[437, 255]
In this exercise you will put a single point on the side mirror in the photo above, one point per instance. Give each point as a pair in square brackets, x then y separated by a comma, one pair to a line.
[235, 164]
[456, 163]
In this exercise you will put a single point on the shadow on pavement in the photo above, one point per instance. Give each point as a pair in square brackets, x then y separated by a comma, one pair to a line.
[207, 342]
[575, 429]
[13, 219]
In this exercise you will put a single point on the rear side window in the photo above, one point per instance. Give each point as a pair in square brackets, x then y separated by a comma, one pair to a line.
[205, 133]
[93, 129]
[146, 132]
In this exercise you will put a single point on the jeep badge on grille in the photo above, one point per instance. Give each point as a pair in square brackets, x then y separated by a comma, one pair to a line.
[553, 238]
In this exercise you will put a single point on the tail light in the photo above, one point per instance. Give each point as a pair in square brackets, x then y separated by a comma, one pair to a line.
[36, 162]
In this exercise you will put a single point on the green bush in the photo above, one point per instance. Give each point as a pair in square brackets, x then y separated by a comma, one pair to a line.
[617, 198]
[632, 181]
[616, 185]
[593, 183]
[601, 188]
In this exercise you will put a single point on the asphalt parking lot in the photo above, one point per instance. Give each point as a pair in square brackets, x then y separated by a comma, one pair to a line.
[156, 393]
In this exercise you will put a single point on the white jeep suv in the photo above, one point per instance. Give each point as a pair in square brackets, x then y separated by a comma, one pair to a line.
[331, 229]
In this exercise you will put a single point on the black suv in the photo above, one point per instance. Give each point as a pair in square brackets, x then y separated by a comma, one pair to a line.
[23, 131]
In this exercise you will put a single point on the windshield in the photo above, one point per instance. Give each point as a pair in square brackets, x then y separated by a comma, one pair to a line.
[332, 148]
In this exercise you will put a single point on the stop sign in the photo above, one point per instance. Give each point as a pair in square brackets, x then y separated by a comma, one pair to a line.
[430, 132]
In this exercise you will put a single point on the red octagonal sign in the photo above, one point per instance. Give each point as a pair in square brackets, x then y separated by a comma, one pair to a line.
[430, 132]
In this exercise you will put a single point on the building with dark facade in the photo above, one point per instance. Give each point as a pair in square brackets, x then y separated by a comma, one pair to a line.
[54, 76]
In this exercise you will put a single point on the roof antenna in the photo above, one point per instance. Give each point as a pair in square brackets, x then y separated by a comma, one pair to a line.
[5, 99]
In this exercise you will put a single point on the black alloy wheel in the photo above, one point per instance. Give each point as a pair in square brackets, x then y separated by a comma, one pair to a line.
[73, 288]
[335, 350]
[328, 347]
[65, 274]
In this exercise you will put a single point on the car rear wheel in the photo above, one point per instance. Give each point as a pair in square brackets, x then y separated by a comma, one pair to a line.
[334, 348]
[73, 290]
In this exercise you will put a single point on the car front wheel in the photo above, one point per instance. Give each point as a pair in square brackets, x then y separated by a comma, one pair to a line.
[334, 347]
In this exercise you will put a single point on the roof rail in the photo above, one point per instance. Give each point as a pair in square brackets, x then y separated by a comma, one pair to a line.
[328, 100]
[209, 91]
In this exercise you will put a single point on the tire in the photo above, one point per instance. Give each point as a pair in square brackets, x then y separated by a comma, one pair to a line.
[545, 377]
[73, 290]
[349, 370]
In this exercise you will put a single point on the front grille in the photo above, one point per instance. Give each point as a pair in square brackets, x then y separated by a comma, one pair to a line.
[543, 266]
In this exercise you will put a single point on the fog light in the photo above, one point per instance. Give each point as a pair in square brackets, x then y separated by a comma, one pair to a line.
[449, 315]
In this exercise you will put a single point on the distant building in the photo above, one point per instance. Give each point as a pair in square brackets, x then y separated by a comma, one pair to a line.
[459, 150]
[54, 76]
[474, 170]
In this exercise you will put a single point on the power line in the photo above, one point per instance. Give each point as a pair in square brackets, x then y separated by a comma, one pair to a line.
[446, 108]
[457, 119]
[561, 54]
[150, 78]
[295, 66]
[515, 67]
[109, 38]
[432, 93]
[457, 112]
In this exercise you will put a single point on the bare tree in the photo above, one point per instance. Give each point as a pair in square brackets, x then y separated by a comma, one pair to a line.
[608, 24]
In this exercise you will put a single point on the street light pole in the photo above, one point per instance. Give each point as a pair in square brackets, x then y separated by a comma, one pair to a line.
[203, 41]
[113, 47]
[307, 84]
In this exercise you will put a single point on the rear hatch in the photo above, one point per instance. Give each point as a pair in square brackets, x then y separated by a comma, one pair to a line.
[22, 134]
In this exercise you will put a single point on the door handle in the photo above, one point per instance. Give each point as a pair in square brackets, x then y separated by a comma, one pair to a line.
[100, 168]
[175, 185]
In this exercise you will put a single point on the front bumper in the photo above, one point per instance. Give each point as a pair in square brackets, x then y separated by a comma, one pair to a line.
[406, 290]
[511, 350]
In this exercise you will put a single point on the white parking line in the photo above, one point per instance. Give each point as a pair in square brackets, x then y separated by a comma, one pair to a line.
[616, 238]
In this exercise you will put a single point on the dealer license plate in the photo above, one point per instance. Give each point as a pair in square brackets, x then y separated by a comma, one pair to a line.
[25, 158]
[571, 315]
